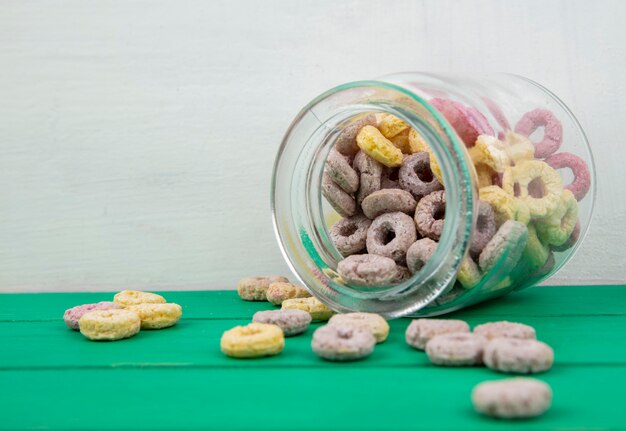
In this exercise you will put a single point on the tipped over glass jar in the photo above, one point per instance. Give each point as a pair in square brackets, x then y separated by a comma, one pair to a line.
[419, 194]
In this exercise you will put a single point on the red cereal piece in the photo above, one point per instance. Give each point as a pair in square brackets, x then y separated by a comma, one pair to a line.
[468, 122]
[582, 178]
[552, 131]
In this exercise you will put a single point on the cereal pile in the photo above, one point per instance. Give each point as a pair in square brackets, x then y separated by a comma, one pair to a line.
[504, 347]
[129, 312]
[386, 183]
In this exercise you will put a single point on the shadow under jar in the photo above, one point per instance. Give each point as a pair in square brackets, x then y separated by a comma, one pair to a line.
[510, 160]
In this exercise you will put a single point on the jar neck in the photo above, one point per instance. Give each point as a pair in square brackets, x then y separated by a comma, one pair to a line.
[302, 219]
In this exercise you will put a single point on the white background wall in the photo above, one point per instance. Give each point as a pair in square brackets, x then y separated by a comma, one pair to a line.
[137, 137]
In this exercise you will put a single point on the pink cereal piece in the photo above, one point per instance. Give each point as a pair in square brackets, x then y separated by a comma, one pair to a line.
[468, 122]
[73, 315]
[582, 178]
[552, 131]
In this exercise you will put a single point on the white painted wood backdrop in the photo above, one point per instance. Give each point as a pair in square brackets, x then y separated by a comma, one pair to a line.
[137, 137]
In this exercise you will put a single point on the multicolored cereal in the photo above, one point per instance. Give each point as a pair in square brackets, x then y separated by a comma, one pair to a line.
[420, 331]
[280, 291]
[337, 343]
[255, 288]
[252, 341]
[369, 321]
[400, 227]
[109, 325]
[157, 316]
[292, 322]
[73, 315]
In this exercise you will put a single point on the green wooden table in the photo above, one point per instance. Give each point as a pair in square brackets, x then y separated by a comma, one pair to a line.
[53, 378]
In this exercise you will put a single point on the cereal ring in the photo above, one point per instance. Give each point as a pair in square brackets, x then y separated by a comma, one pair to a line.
[430, 214]
[552, 131]
[467, 122]
[539, 186]
[484, 228]
[134, 297]
[312, 305]
[255, 288]
[335, 343]
[416, 176]
[341, 201]
[524, 356]
[349, 234]
[157, 316]
[292, 322]
[509, 241]
[505, 329]
[456, 349]
[420, 331]
[469, 275]
[375, 145]
[391, 235]
[388, 201]
[346, 141]
[505, 206]
[371, 322]
[367, 269]
[419, 253]
[252, 341]
[279, 291]
[536, 253]
[73, 315]
[573, 238]
[558, 228]
[512, 398]
[582, 178]
[499, 155]
[109, 325]
[390, 126]
[485, 176]
[370, 172]
[341, 173]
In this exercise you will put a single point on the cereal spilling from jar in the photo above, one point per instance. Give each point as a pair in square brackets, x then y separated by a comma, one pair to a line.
[385, 182]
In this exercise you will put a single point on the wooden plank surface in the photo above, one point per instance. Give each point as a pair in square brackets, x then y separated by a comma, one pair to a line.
[53, 378]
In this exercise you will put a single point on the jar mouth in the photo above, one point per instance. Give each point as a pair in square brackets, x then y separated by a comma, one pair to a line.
[299, 215]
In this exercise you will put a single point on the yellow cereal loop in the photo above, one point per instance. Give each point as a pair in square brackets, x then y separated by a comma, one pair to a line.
[133, 297]
[539, 186]
[390, 126]
[536, 253]
[253, 341]
[109, 325]
[379, 148]
[313, 306]
[469, 275]
[499, 155]
[157, 316]
[556, 229]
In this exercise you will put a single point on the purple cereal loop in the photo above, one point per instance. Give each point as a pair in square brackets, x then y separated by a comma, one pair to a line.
[339, 169]
[484, 229]
[552, 133]
[341, 201]
[370, 172]
[419, 253]
[402, 229]
[388, 201]
[349, 234]
[367, 269]
[582, 178]
[416, 176]
[427, 219]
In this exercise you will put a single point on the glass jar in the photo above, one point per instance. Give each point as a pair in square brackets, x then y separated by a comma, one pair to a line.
[451, 115]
